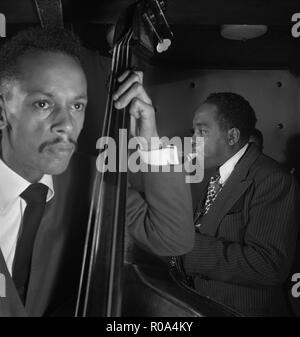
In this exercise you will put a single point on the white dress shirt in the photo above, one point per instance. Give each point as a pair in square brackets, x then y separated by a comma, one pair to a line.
[12, 208]
[227, 168]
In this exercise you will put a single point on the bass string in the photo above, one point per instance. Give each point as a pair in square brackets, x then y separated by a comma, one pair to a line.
[115, 244]
[119, 65]
[116, 67]
[100, 185]
[93, 201]
[97, 227]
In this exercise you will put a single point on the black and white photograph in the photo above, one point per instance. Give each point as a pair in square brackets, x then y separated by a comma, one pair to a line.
[150, 161]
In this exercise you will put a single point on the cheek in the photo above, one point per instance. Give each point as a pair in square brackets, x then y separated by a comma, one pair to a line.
[213, 147]
[28, 133]
[209, 146]
[79, 120]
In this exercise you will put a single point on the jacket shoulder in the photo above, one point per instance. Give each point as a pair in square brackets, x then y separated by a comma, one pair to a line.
[265, 166]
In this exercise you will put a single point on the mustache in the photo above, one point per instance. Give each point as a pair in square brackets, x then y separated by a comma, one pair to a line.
[56, 141]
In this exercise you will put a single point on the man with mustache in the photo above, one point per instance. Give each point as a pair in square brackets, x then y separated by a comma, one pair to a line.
[42, 108]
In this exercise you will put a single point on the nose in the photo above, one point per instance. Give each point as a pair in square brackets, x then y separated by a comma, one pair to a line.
[63, 122]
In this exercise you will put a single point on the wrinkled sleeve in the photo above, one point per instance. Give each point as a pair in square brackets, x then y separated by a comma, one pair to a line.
[160, 217]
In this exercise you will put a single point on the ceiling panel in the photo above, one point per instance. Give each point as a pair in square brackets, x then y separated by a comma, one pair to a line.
[196, 23]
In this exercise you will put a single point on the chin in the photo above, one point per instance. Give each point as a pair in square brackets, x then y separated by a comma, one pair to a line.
[55, 163]
[56, 167]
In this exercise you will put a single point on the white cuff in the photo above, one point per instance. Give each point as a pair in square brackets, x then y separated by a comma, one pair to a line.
[160, 157]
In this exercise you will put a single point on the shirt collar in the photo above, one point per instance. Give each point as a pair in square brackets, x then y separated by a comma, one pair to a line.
[12, 185]
[227, 168]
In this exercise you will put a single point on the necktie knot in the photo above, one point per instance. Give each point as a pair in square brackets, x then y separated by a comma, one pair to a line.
[215, 182]
[215, 175]
[35, 194]
[215, 178]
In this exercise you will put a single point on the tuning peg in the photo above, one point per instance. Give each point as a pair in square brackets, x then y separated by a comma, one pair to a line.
[163, 45]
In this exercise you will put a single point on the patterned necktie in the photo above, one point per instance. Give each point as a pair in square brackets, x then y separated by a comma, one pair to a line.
[35, 197]
[214, 188]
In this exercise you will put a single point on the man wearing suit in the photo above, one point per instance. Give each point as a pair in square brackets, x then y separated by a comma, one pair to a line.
[245, 220]
[42, 106]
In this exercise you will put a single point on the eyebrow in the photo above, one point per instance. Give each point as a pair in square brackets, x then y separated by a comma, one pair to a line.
[82, 96]
[50, 95]
[200, 124]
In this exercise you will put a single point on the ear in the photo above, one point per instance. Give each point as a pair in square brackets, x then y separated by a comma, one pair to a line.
[3, 119]
[233, 136]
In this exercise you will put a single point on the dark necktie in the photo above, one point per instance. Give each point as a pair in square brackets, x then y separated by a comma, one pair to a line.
[35, 197]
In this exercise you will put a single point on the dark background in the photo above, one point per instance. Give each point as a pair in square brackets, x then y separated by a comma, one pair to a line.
[264, 70]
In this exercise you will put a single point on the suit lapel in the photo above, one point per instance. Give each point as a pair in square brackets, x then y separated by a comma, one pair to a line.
[233, 189]
[11, 305]
[223, 203]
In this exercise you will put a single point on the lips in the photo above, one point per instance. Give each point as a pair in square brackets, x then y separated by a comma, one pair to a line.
[61, 149]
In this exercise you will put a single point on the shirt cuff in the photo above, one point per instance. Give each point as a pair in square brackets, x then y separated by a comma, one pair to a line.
[160, 157]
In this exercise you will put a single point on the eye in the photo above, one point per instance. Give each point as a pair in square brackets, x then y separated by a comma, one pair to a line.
[200, 132]
[79, 106]
[42, 105]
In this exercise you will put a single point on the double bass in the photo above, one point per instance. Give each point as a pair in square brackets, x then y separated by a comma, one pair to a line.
[117, 278]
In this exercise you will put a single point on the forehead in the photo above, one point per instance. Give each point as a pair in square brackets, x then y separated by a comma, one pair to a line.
[206, 114]
[51, 71]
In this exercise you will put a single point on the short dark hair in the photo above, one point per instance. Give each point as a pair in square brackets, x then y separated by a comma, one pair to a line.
[234, 111]
[36, 39]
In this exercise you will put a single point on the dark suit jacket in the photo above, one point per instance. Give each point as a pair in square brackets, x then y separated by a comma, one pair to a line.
[245, 247]
[161, 222]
